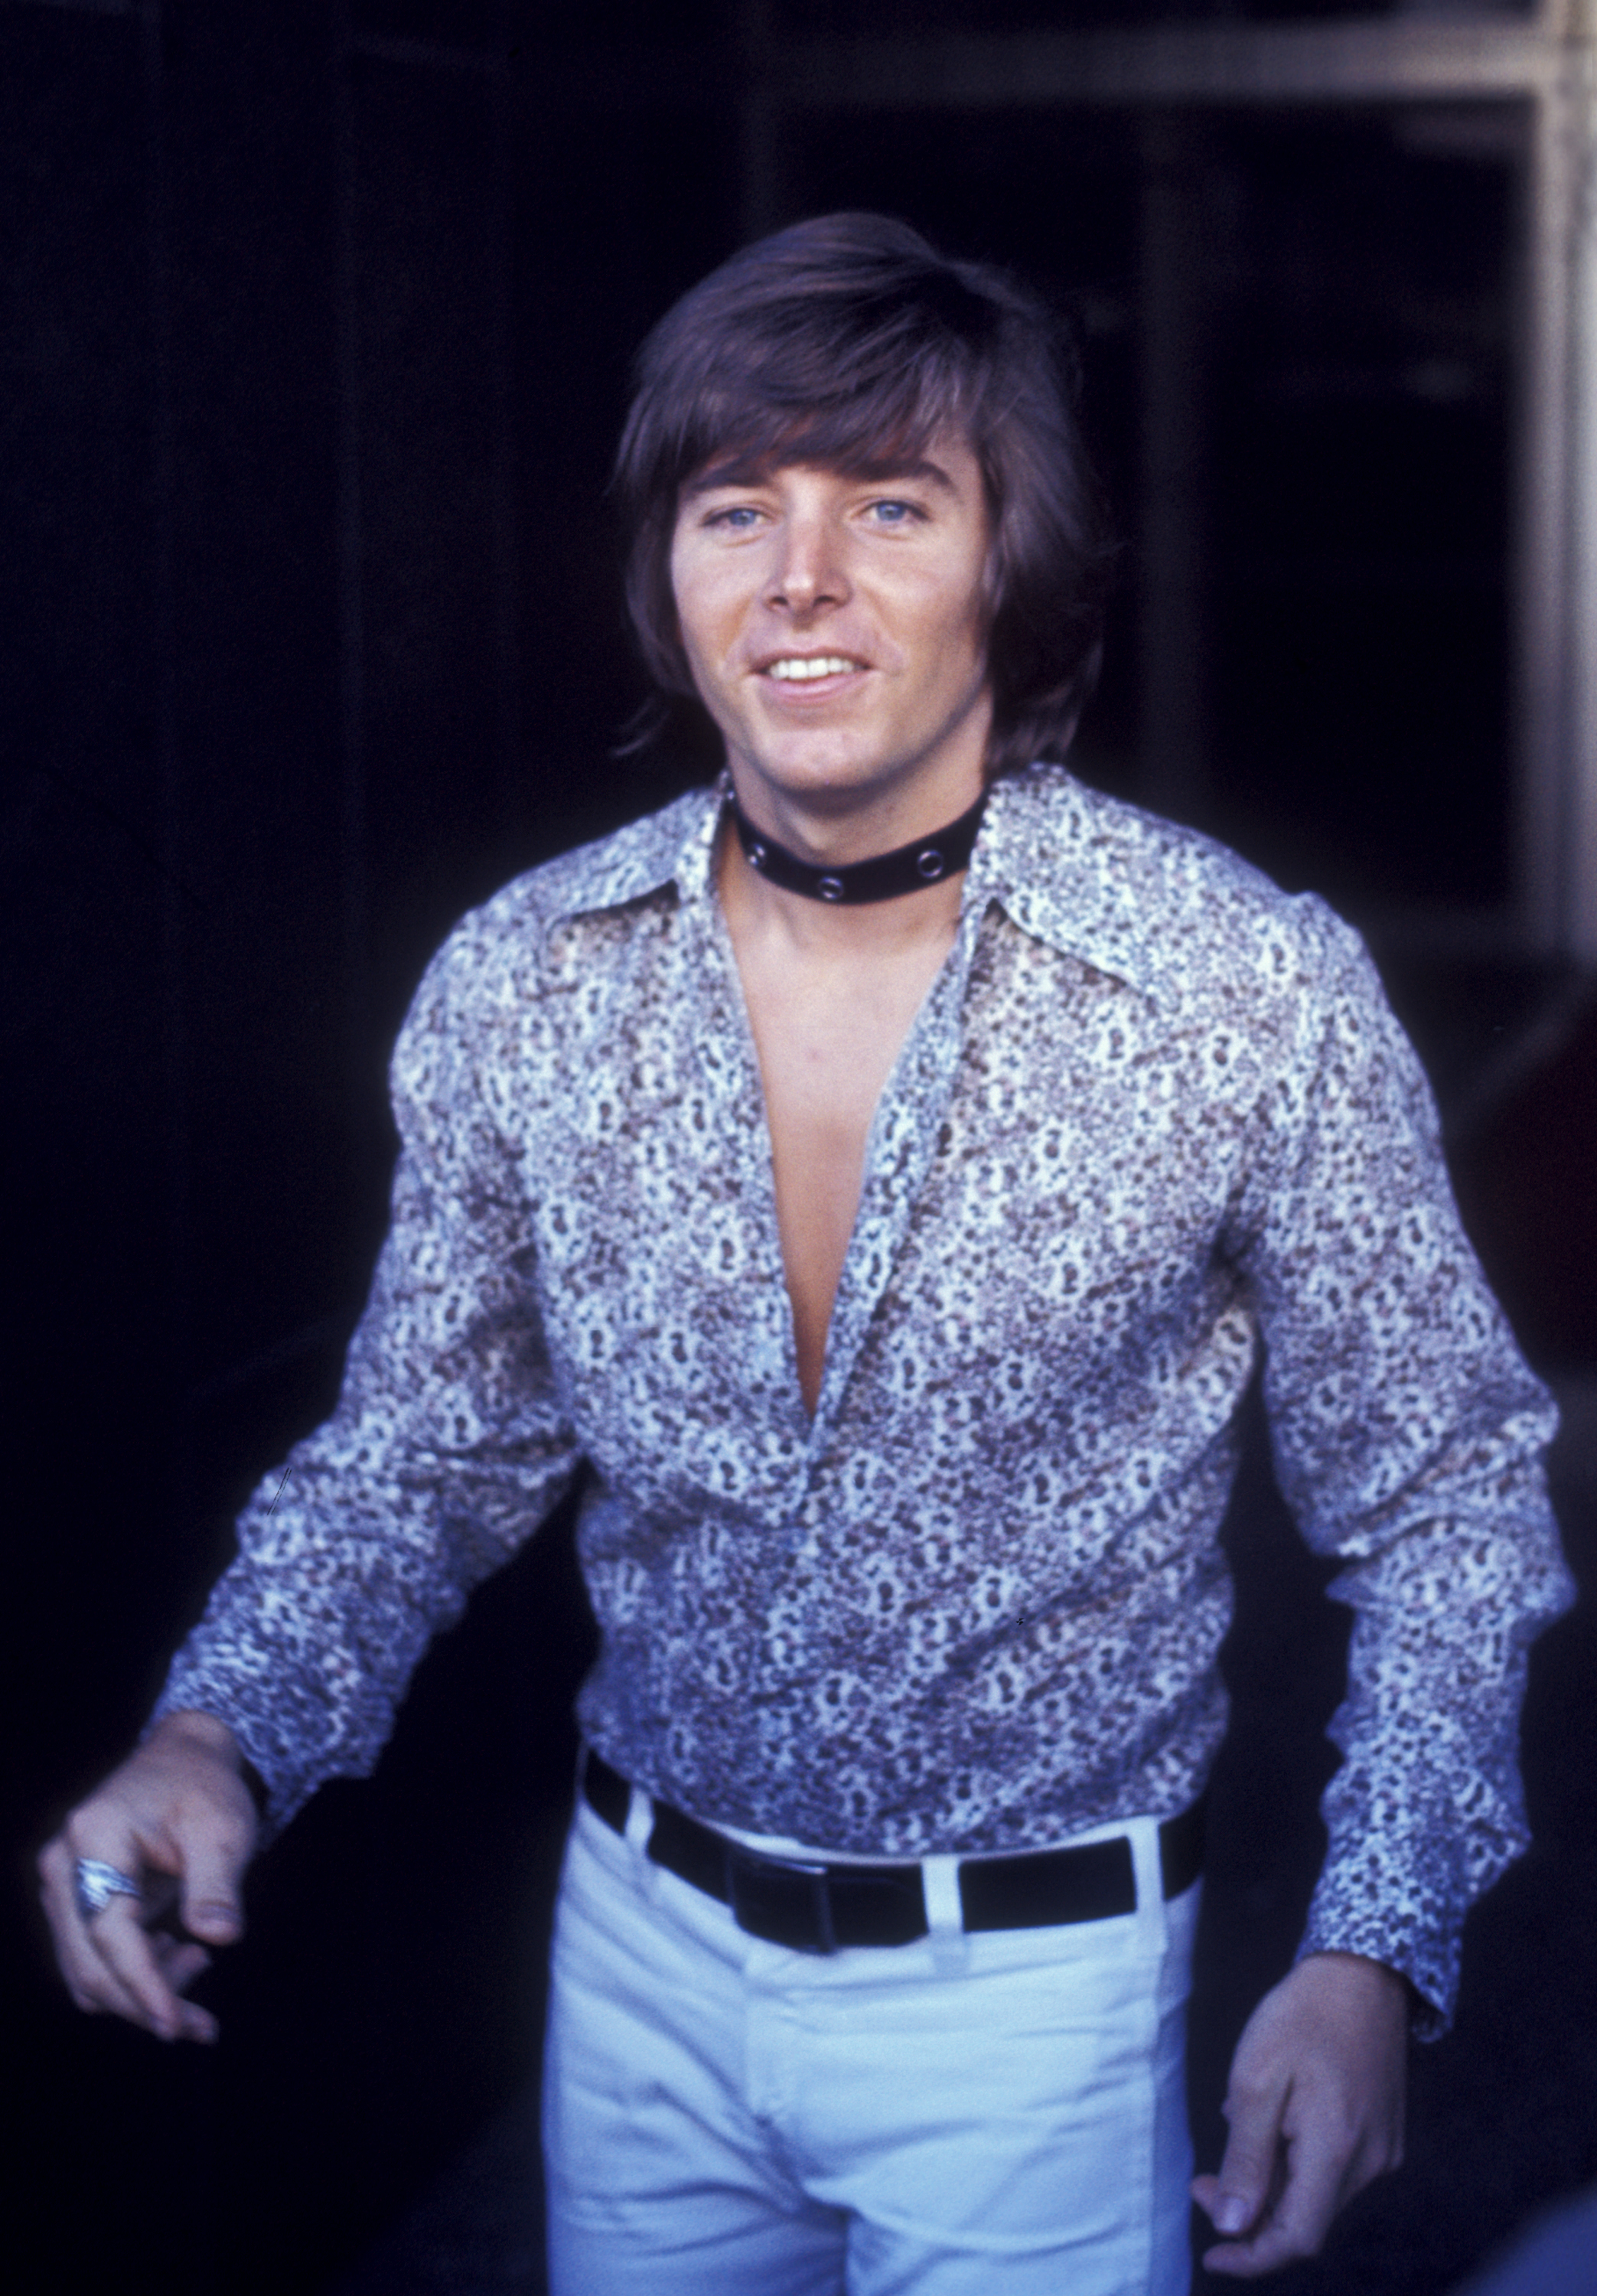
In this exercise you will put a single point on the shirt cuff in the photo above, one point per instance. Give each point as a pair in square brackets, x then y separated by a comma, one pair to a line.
[1423, 1955]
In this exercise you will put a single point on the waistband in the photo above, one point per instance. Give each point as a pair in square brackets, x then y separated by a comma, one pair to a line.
[820, 1907]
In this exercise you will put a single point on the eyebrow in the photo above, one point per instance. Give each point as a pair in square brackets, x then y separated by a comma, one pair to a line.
[739, 472]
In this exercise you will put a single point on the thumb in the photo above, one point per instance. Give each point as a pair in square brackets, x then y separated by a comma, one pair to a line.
[1241, 2191]
[212, 1902]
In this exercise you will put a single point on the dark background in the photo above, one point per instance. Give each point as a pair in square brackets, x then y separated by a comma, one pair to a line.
[315, 345]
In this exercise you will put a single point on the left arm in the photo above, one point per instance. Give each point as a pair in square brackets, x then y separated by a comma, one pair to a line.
[1408, 1438]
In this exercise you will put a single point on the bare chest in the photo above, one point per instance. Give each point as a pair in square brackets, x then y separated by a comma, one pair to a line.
[827, 1035]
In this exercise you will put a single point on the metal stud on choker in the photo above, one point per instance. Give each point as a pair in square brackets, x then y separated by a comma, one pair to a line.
[908, 869]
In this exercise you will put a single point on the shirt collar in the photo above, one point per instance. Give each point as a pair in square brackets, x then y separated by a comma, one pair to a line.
[1057, 858]
[670, 848]
[1048, 853]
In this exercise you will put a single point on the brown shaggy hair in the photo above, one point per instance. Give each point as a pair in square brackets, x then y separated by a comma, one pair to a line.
[848, 341]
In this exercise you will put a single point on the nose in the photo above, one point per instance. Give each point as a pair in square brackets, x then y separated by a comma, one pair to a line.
[808, 570]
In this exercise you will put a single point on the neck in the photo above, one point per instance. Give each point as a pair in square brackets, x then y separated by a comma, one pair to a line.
[877, 903]
[902, 873]
[822, 933]
[832, 827]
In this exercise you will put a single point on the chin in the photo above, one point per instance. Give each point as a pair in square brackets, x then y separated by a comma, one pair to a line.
[837, 763]
[813, 775]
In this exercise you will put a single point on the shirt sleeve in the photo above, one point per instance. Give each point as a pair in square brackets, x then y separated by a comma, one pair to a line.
[448, 1446]
[1408, 1438]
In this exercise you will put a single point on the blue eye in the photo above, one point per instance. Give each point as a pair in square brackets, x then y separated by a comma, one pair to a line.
[740, 518]
[893, 514]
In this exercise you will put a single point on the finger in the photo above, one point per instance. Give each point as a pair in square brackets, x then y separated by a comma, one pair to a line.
[111, 1964]
[100, 1994]
[180, 1960]
[1239, 2197]
[1297, 2217]
[210, 1846]
[126, 1955]
[1266, 2251]
[1247, 2260]
[94, 1985]
[55, 1881]
[214, 1857]
[191, 2023]
[105, 1957]
[197, 2024]
[174, 1963]
[1210, 2198]
[1205, 2192]
[90, 1985]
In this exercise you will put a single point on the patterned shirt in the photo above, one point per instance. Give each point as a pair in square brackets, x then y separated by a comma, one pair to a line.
[1152, 1119]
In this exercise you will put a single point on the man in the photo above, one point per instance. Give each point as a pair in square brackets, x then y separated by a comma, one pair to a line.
[886, 1168]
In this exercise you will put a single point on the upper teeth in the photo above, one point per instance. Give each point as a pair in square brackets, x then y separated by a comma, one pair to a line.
[811, 664]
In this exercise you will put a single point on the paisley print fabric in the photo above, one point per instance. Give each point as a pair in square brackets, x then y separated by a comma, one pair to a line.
[1153, 1119]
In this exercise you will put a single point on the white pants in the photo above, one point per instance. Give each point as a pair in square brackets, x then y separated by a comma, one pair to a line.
[998, 2114]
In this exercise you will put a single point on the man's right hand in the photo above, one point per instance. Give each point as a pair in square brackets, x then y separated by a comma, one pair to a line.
[177, 1817]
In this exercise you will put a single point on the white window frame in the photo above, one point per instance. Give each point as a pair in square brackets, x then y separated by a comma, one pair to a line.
[1547, 64]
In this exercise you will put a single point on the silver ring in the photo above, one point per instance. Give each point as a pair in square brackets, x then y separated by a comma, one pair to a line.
[94, 1884]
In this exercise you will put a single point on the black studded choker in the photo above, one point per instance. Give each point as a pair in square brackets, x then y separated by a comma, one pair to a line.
[882, 878]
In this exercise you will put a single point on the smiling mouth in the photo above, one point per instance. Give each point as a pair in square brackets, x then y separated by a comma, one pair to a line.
[799, 668]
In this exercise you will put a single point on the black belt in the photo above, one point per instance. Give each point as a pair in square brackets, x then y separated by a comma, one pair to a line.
[817, 1908]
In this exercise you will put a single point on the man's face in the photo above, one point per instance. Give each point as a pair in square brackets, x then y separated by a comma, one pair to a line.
[835, 626]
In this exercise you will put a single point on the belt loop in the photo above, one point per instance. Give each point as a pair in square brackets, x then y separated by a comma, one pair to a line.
[640, 1822]
[1143, 1835]
[939, 1879]
[945, 1916]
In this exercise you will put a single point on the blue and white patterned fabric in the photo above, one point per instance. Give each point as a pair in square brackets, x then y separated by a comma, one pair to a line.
[1153, 1117]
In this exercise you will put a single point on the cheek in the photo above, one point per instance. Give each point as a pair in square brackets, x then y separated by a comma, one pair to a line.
[957, 629]
[707, 613]
[706, 646]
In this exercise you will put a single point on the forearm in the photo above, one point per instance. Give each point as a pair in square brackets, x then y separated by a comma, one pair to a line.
[282, 1666]
[1427, 1809]
[447, 1448]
